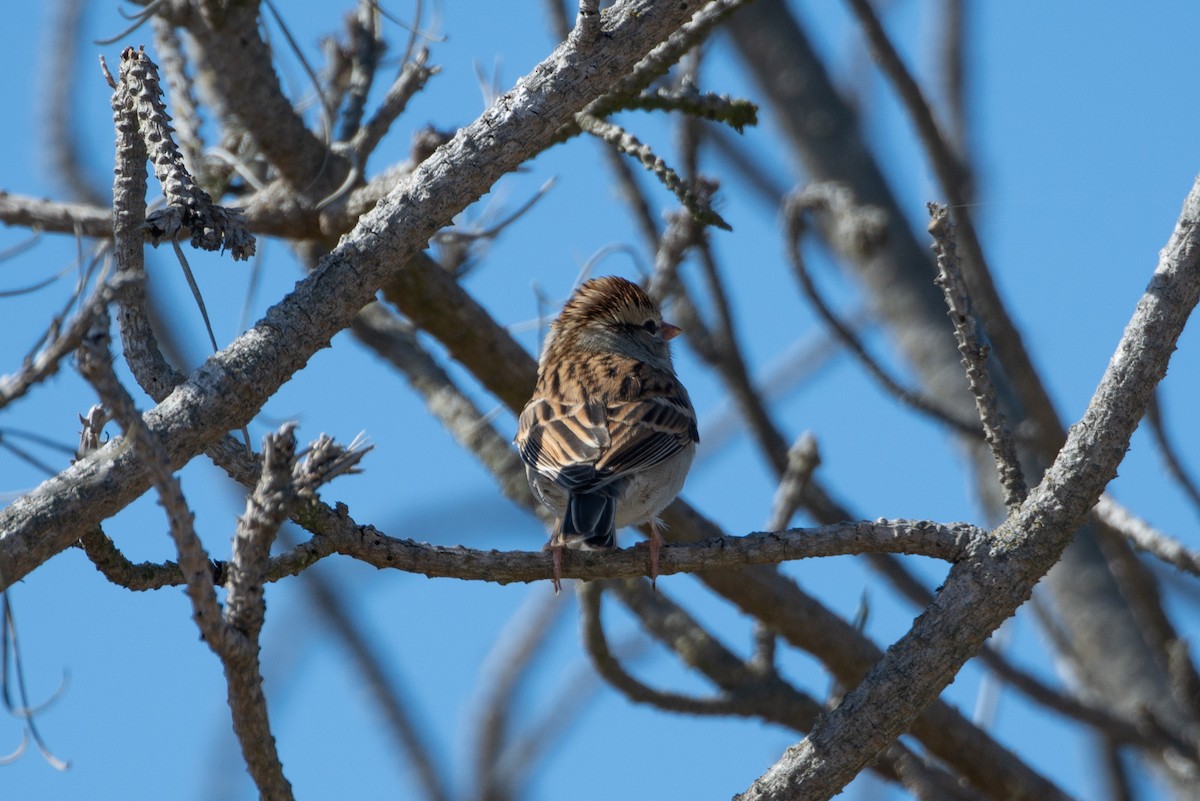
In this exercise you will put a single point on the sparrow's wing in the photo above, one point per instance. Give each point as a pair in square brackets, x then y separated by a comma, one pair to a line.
[564, 441]
[647, 431]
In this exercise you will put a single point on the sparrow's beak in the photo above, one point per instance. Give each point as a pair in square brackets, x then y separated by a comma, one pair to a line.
[669, 331]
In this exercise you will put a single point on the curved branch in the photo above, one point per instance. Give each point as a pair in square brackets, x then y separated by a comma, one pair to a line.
[609, 667]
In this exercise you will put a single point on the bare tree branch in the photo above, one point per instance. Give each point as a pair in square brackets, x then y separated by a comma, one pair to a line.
[610, 668]
[761, 690]
[974, 359]
[367, 544]
[922, 662]
[1145, 537]
[252, 367]
[412, 79]
[234, 636]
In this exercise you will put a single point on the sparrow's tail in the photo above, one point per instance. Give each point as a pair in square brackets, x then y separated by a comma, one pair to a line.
[590, 521]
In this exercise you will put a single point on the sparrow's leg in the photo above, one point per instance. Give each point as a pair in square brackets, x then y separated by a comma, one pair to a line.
[556, 548]
[556, 552]
[656, 542]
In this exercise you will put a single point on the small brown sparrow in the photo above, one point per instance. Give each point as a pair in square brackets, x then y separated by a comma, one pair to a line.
[609, 435]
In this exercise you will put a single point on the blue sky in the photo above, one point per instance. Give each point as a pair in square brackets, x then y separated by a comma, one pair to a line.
[1084, 126]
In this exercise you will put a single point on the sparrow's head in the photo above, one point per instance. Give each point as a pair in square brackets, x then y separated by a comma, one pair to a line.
[612, 314]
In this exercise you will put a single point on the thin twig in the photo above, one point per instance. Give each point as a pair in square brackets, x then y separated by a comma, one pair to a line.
[1145, 537]
[412, 79]
[46, 361]
[974, 359]
[803, 459]
[19, 706]
[630, 191]
[366, 47]
[717, 346]
[734, 112]
[666, 54]
[314, 81]
[628, 144]
[730, 361]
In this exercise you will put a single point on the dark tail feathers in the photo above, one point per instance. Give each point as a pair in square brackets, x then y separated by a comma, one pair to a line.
[592, 518]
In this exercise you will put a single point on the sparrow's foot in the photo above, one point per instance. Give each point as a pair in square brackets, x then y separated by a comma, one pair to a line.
[556, 554]
[656, 542]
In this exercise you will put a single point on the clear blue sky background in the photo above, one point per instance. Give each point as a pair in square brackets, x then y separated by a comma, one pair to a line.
[1084, 122]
